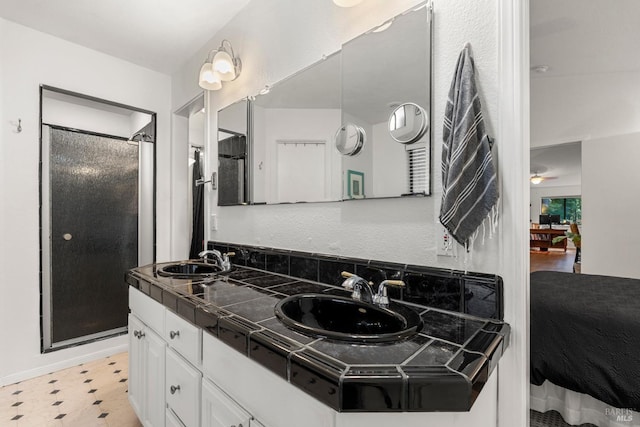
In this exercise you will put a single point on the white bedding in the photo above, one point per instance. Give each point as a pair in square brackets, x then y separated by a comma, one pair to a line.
[577, 408]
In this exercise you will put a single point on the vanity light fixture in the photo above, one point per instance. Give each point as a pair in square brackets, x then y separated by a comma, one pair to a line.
[347, 3]
[220, 66]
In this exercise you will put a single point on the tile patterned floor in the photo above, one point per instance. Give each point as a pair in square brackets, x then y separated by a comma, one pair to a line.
[93, 394]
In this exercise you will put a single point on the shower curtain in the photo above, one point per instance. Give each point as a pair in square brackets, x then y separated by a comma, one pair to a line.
[197, 235]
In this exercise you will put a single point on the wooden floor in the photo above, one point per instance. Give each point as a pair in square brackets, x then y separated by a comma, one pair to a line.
[552, 260]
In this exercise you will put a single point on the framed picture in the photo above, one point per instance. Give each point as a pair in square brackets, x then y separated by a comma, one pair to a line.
[355, 184]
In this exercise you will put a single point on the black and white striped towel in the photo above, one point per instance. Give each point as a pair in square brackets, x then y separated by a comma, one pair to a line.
[469, 182]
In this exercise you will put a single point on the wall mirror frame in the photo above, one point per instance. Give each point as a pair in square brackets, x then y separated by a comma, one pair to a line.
[296, 152]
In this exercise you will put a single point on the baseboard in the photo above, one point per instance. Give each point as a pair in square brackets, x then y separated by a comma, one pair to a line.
[63, 364]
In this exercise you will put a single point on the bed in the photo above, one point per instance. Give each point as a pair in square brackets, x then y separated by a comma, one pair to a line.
[585, 340]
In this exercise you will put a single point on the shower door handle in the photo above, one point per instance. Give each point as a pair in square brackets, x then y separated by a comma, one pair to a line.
[67, 236]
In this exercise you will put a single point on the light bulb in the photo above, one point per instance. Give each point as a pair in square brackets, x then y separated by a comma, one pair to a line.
[209, 78]
[535, 180]
[223, 64]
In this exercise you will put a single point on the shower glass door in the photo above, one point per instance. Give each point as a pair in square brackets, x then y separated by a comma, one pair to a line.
[93, 223]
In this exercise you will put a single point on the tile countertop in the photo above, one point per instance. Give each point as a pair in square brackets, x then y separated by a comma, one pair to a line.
[443, 368]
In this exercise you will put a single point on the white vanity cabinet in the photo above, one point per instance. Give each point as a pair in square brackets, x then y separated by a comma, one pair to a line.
[182, 386]
[218, 410]
[146, 372]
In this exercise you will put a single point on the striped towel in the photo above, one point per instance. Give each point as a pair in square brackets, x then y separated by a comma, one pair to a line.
[469, 182]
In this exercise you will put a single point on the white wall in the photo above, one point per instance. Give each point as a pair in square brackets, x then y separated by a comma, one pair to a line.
[275, 38]
[579, 107]
[610, 202]
[32, 58]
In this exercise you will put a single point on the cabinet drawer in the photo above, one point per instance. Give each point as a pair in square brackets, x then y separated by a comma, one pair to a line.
[184, 337]
[182, 387]
[146, 309]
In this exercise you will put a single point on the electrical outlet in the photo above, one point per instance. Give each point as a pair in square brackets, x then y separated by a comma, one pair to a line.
[445, 243]
[214, 222]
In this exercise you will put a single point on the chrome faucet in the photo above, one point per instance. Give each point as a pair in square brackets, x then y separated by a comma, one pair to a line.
[357, 285]
[381, 297]
[221, 259]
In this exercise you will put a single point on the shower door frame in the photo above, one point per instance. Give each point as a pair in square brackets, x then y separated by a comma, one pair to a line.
[46, 344]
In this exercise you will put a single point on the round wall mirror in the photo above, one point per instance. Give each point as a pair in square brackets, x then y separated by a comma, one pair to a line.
[350, 139]
[408, 123]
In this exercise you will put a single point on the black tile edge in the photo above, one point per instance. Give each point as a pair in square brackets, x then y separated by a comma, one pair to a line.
[234, 331]
[373, 389]
[208, 318]
[503, 329]
[489, 344]
[317, 376]
[473, 366]
[271, 351]
[437, 389]
[155, 292]
[186, 309]
[144, 287]
[170, 300]
[131, 280]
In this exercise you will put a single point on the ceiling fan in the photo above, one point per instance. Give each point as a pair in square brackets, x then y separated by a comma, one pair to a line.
[537, 179]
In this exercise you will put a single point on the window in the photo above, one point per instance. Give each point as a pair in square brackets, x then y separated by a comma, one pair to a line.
[418, 170]
[569, 208]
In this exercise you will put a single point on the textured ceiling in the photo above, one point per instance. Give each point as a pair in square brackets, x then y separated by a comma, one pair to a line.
[588, 90]
[157, 34]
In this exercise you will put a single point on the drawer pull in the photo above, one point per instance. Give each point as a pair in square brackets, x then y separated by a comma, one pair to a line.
[138, 334]
[174, 334]
[174, 388]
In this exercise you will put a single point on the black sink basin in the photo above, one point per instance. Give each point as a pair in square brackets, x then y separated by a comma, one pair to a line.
[188, 270]
[345, 319]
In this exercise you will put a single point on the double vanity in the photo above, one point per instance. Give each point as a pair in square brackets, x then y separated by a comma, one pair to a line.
[252, 346]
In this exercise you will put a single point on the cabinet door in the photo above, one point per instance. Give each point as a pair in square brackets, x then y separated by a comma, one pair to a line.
[183, 389]
[136, 366]
[172, 420]
[146, 373]
[154, 369]
[218, 410]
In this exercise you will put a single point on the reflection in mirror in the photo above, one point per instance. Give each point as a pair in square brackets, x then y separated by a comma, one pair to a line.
[350, 139]
[387, 70]
[293, 133]
[408, 123]
[233, 155]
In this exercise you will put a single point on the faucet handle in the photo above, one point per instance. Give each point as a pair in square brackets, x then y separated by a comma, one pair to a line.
[394, 283]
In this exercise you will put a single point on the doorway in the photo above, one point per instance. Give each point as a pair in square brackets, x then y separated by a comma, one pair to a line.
[97, 213]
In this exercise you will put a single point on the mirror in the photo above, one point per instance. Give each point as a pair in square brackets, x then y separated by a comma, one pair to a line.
[386, 91]
[293, 132]
[233, 155]
[323, 134]
[408, 123]
[350, 139]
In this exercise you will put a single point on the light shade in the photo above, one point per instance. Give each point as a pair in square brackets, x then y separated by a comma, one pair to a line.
[347, 3]
[223, 64]
[536, 179]
[209, 79]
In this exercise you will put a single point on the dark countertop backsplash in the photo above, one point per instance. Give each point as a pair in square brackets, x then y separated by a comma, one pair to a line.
[477, 294]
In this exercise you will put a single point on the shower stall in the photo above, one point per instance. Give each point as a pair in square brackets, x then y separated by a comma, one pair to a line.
[97, 213]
